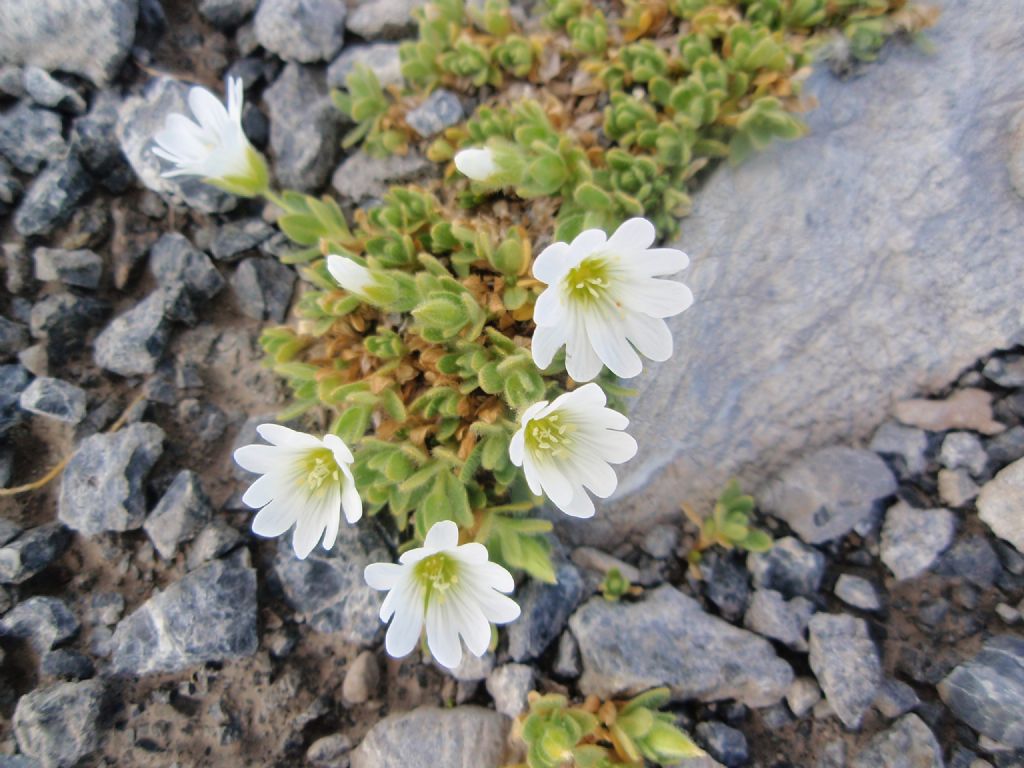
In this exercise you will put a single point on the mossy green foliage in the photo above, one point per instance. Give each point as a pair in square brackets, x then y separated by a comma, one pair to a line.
[614, 113]
[728, 526]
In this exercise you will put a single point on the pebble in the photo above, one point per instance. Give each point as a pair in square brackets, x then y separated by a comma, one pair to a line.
[134, 342]
[382, 58]
[667, 639]
[802, 695]
[31, 552]
[440, 110]
[971, 558]
[590, 559]
[472, 669]
[772, 616]
[263, 288]
[81, 268]
[301, 30]
[661, 541]
[726, 745]
[376, 19]
[1007, 613]
[824, 495]
[164, 635]
[31, 137]
[181, 512]
[58, 724]
[909, 743]
[216, 539]
[361, 679]
[957, 488]
[858, 592]
[963, 450]
[45, 622]
[1007, 447]
[567, 659]
[913, 539]
[790, 567]
[52, 196]
[362, 177]
[895, 698]
[544, 610]
[846, 663]
[103, 487]
[969, 409]
[8, 530]
[67, 664]
[1005, 371]
[54, 399]
[235, 238]
[46, 91]
[1000, 503]
[726, 583]
[10, 190]
[14, 379]
[329, 751]
[63, 320]
[94, 138]
[509, 686]
[182, 270]
[227, 14]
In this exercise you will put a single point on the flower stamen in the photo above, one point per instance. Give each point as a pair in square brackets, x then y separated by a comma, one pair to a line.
[589, 281]
[438, 573]
[552, 434]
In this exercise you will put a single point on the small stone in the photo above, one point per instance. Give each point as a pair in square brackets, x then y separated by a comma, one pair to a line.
[969, 409]
[790, 567]
[66, 664]
[363, 177]
[31, 138]
[227, 14]
[35, 359]
[361, 679]
[912, 539]
[1005, 371]
[858, 592]
[301, 30]
[182, 510]
[463, 737]
[802, 695]
[376, 19]
[826, 494]
[8, 530]
[772, 616]
[472, 669]
[986, 691]
[971, 558]
[52, 196]
[79, 268]
[216, 539]
[567, 660]
[846, 663]
[106, 608]
[329, 751]
[139, 119]
[667, 639]
[31, 552]
[833, 755]
[44, 622]
[544, 610]
[661, 541]
[1000, 503]
[956, 488]
[235, 238]
[382, 58]
[46, 91]
[304, 124]
[204, 420]
[1007, 447]
[263, 288]
[94, 138]
[134, 342]
[10, 192]
[209, 615]
[963, 450]
[1007, 613]
[908, 744]
[102, 488]
[726, 583]
[183, 271]
[776, 717]
[590, 559]
[54, 399]
[440, 110]
[14, 379]
[726, 745]
[509, 686]
[63, 320]
[57, 725]
[11, 81]
[895, 698]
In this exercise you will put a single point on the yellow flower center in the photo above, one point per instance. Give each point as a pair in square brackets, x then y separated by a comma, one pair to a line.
[438, 573]
[589, 280]
[550, 435]
[320, 470]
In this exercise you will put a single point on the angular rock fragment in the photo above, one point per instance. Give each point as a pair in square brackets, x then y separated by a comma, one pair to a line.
[183, 510]
[58, 725]
[845, 660]
[1001, 502]
[54, 399]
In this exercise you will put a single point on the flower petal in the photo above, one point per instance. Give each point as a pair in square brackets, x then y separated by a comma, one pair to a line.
[516, 447]
[556, 485]
[658, 261]
[473, 552]
[275, 518]
[407, 624]
[658, 298]
[490, 575]
[584, 244]
[581, 361]
[609, 341]
[549, 310]
[581, 505]
[276, 434]
[258, 458]
[341, 452]
[382, 575]
[263, 490]
[333, 519]
[552, 263]
[441, 536]
[632, 236]
[351, 502]
[650, 335]
[547, 340]
[443, 635]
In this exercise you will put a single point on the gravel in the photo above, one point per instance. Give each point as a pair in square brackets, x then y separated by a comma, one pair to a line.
[302, 30]
[54, 399]
[44, 622]
[81, 268]
[57, 725]
[908, 744]
[846, 663]
[1000, 503]
[913, 539]
[179, 515]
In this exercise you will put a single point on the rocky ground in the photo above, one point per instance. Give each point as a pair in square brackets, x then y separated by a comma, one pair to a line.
[142, 624]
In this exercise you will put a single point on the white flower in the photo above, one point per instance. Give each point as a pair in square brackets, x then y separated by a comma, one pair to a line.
[351, 276]
[453, 590]
[565, 448]
[213, 146]
[306, 482]
[477, 163]
[603, 300]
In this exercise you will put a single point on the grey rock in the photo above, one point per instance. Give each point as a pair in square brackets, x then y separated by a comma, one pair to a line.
[178, 266]
[94, 138]
[772, 616]
[598, 562]
[8, 530]
[13, 338]
[362, 177]
[509, 686]
[545, 608]
[103, 486]
[826, 494]
[52, 196]
[54, 399]
[203, 419]
[726, 745]
[304, 126]
[31, 552]
[790, 567]
[567, 659]
[11, 81]
[374, 19]
[45, 622]
[908, 744]
[1000, 503]
[802, 695]
[963, 450]
[134, 342]
[667, 639]
[1005, 371]
[986, 691]
[892, 322]
[181, 511]
[726, 583]
[209, 615]
[439, 110]
[1006, 448]
[30, 137]
[912, 539]
[139, 118]
[10, 191]
[13, 381]
[858, 592]
[106, 608]
[361, 679]
[846, 663]
[58, 725]
[833, 755]
[327, 588]
[227, 14]
[301, 30]
[329, 751]
[895, 698]
[463, 737]
[63, 320]
[46, 91]
[661, 541]
[236, 237]
[971, 558]
[67, 664]
[382, 58]
[216, 539]
[263, 288]
[81, 268]
[956, 488]
[472, 669]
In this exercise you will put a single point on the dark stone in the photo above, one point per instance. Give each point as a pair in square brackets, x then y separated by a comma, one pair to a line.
[64, 320]
[58, 725]
[54, 399]
[726, 583]
[44, 622]
[94, 137]
[30, 137]
[545, 610]
[46, 91]
[727, 745]
[67, 664]
[1006, 448]
[13, 381]
[908, 744]
[31, 552]
[263, 288]
[10, 188]
[134, 342]
[182, 510]
[235, 238]
[182, 269]
[52, 196]
[81, 268]
[789, 567]
[227, 14]
[971, 558]
[846, 663]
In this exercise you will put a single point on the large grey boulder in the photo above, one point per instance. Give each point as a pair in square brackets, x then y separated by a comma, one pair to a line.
[872, 260]
[667, 639]
[464, 737]
[87, 37]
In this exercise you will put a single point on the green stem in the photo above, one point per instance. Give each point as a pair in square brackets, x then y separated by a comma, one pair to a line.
[276, 199]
